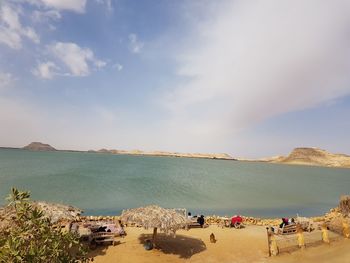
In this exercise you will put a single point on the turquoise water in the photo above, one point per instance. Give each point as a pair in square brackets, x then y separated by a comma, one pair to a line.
[106, 184]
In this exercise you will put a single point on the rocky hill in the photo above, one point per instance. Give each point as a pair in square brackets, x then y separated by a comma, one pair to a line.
[314, 156]
[38, 146]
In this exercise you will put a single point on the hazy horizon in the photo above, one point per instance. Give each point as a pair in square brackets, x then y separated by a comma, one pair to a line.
[251, 79]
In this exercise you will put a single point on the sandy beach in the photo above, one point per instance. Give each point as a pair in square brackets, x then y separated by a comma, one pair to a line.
[233, 245]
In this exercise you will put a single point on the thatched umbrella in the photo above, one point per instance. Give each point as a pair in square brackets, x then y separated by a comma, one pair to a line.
[55, 212]
[167, 220]
[59, 212]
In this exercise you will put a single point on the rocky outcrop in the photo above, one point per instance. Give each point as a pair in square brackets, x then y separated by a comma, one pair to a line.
[344, 205]
[335, 220]
[38, 146]
[314, 156]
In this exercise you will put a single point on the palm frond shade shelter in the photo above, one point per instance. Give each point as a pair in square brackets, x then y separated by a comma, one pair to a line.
[166, 220]
[55, 212]
[58, 212]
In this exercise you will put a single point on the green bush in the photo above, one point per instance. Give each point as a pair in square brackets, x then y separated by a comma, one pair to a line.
[31, 237]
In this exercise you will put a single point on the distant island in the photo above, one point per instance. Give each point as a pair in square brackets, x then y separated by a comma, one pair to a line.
[38, 146]
[299, 156]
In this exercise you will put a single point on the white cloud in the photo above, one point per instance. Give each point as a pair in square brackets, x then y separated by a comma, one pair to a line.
[100, 63]
[70, 5]
[6, 80]
[10, 17]
[31, 34]
[253, 60]
[44, 16]
[11, 30]
[135, 45]
[45, 70]
[77, 59]
[118, 66]
[10, 38]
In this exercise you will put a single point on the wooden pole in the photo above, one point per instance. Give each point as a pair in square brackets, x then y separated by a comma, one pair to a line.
[268, 241]
[346, 230]
[154, 236]
[300, 235]
[325, 236]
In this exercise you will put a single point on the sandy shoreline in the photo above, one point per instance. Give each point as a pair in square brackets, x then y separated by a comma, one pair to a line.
[248, 244]
[233, 245]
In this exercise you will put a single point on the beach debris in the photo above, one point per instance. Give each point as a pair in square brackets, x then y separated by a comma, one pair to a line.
[156, 217]
[148, 244]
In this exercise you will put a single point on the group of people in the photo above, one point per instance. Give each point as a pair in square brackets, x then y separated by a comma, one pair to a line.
[287, 221]
[200, 219]
[112, 228]
[235, 220]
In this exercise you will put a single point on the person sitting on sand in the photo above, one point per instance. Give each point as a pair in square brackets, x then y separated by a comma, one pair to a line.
[236, 221]
[102, 229]
[120, 229]
[285, 222]
[189, 216]
[201, 221]
[111, 228]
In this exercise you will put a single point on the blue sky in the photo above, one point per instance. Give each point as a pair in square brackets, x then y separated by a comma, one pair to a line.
[251, 79]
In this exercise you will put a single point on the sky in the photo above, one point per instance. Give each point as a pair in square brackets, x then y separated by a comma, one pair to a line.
[248, 78]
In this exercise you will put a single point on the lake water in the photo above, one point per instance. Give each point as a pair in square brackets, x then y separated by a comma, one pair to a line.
[106, 184]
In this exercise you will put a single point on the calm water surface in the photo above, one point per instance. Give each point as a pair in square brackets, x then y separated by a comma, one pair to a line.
[106, 184]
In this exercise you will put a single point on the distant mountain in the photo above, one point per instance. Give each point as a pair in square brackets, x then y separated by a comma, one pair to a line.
[222, 156]
[313, 156]
[301, 155]
[38, 146]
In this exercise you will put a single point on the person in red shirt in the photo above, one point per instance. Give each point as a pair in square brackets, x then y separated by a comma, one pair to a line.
[236, 221]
